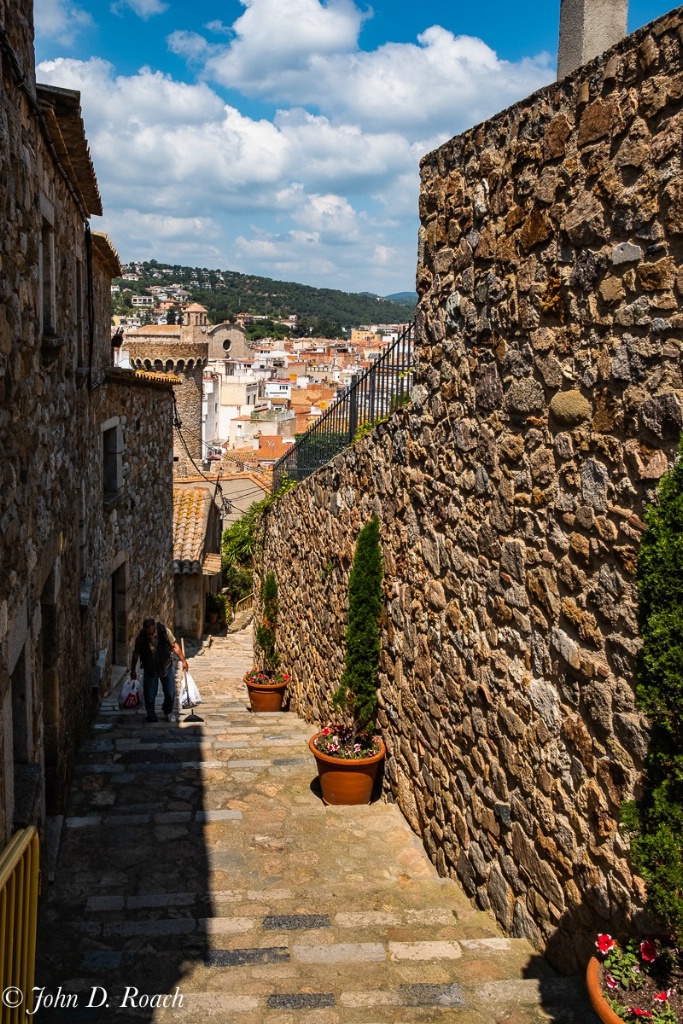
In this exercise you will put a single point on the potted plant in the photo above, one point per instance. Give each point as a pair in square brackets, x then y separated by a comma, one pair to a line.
[213, 608]
[347, 753]
[217, 609]
[643, 979]
[266, 685]
[636, 980]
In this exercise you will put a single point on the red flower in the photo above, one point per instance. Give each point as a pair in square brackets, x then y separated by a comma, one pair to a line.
[326, 731]
[611, 982]
[662, 997]
[636, 1012]
[648, 951]
[605, 944]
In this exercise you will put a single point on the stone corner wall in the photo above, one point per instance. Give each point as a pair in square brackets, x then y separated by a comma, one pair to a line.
[548, 404]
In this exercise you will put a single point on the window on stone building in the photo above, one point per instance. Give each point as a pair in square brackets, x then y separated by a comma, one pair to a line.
[112, 460]
[47, 279]
[78, 298]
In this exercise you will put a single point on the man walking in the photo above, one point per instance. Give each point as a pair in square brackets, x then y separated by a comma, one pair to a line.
[153, 646]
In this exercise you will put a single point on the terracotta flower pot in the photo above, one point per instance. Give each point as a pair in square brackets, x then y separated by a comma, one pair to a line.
[598, 1002]
[266, 697]
[346, 781]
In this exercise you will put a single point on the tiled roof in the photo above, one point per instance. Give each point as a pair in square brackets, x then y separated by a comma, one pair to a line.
[122, 375]
[103, 247]
[190, 520]
[273, 447]
[61, 109]
[154, 329]
[212, 565]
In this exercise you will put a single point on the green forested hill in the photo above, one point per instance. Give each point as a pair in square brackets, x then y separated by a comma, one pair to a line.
[321, 311]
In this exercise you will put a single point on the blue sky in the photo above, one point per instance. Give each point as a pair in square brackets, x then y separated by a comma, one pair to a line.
[282, 137]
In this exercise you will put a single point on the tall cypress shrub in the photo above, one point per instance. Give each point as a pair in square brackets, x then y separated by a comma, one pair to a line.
[357, 693]
[656, 821]
[265, 633]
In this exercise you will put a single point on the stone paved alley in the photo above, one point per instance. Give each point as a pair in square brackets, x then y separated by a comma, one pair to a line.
[199, 859]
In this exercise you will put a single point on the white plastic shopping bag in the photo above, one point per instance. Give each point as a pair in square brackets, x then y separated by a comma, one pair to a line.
[189, 694]
[130, 694]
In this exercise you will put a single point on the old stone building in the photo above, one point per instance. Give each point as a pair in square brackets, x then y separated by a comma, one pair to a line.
[183, 350]
[85, 502]
[196, 552]
[548, 403]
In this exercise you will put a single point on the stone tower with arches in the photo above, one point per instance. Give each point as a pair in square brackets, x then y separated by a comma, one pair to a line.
[181, 349]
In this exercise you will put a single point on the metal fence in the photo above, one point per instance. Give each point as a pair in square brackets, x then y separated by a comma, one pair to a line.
[19, 882]
[371, 396]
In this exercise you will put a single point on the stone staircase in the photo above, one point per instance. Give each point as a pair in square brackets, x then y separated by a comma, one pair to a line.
[198, 861]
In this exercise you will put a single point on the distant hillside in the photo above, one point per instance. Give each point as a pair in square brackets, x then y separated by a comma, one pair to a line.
[322, 312]
[407, 297]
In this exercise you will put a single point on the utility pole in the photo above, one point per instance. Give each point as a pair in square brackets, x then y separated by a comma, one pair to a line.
[587, 29]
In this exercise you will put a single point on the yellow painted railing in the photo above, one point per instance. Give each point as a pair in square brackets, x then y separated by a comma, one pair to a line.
[19, 883]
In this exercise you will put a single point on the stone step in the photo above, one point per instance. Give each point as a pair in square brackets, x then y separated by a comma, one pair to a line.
[199, 857]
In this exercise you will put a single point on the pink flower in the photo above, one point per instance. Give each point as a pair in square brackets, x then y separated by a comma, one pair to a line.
[662, 997]
[648, 951]
[611, 982]
[605, 944]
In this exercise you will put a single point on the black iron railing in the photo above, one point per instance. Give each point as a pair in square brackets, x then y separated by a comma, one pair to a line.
[371, 396]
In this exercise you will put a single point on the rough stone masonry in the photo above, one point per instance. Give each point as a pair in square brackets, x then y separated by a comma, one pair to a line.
[511, 494]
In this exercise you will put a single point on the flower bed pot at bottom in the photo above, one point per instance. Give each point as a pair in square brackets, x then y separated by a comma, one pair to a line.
[266, 697]
[346, 780]
[598, 1001]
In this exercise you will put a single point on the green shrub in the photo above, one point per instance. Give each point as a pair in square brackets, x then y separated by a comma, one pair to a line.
[239, 541]
[265, 633]
[218, 603]
[656, 821]
[357, 693]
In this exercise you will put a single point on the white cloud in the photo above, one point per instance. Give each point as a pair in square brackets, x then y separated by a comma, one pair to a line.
[273, 36]
[143, 8]
[181, 145]
[189, 45]
[298, 52]
[218, 27]
[328, 184]
[142, 226]
[60, 19]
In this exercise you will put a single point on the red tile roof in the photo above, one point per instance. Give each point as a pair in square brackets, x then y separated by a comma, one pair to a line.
[190, 521]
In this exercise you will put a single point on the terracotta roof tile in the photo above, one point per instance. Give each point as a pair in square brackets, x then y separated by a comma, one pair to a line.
[211, 565]
[190, 520]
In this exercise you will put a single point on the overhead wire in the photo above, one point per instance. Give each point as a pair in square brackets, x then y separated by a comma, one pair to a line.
[226, 503]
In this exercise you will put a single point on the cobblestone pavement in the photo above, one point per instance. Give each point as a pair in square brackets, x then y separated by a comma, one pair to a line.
[198, 864]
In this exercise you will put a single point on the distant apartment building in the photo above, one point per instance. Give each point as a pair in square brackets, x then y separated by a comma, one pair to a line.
[277, 389]
[211, 397]
[244, 429]
[146, 301]
[364, 337]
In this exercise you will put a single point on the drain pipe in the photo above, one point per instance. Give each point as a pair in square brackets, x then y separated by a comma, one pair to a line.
[587, 29]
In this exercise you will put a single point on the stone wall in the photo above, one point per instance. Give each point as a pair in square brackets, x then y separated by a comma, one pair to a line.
[511, 495]
[185, 355]
[66, 428]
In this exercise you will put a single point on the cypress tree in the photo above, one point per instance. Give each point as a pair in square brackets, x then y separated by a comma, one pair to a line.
[357, 693]
[656, 821]
[265, 633]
